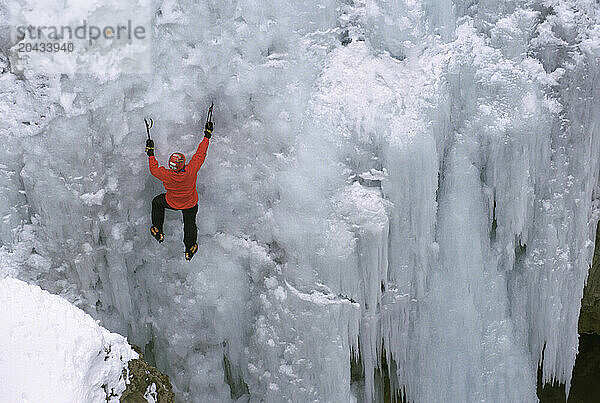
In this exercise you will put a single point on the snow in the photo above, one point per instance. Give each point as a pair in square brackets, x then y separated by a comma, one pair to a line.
[320, 298]
[415, 179]
[150, 395]
[53, 351]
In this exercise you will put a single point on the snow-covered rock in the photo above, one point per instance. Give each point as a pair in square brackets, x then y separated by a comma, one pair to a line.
[52, 351]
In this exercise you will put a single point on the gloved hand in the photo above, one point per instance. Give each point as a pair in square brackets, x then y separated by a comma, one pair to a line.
[208, 128]
[150, 147]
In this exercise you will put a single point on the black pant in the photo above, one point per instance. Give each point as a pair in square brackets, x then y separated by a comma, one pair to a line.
[190, 231]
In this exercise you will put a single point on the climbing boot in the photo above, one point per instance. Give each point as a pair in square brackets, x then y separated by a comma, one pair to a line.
[157, 234]
[189, 252]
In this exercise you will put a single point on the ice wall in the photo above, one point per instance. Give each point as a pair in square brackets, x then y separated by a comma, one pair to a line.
[412, 179]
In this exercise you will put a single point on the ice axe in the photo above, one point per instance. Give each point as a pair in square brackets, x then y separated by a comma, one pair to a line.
[149, 143]
[210, 113]
[149, 123]
[209, 126]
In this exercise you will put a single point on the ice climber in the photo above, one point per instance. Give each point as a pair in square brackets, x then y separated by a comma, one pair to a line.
[180, 185]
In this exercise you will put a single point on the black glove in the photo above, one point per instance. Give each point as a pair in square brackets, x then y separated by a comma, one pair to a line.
[208, 128]
[150, 147]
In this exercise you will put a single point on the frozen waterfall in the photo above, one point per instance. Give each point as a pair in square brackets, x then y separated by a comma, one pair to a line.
[412, 182]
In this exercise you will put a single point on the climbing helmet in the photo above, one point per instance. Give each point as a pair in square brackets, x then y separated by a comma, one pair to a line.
[176, 161]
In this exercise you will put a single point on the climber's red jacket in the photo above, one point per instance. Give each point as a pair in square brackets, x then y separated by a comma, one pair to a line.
[181, 186]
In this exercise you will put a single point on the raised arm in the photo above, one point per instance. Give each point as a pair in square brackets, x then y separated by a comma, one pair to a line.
[155, 170]
[198, 158]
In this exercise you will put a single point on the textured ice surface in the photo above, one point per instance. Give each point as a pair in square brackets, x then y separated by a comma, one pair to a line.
[414, 179]
[53, 351]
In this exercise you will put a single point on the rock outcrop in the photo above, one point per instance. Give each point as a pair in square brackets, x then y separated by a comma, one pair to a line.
[146, 383]
[589, 318]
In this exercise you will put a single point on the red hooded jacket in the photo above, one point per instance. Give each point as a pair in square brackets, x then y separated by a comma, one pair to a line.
[181, 186]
